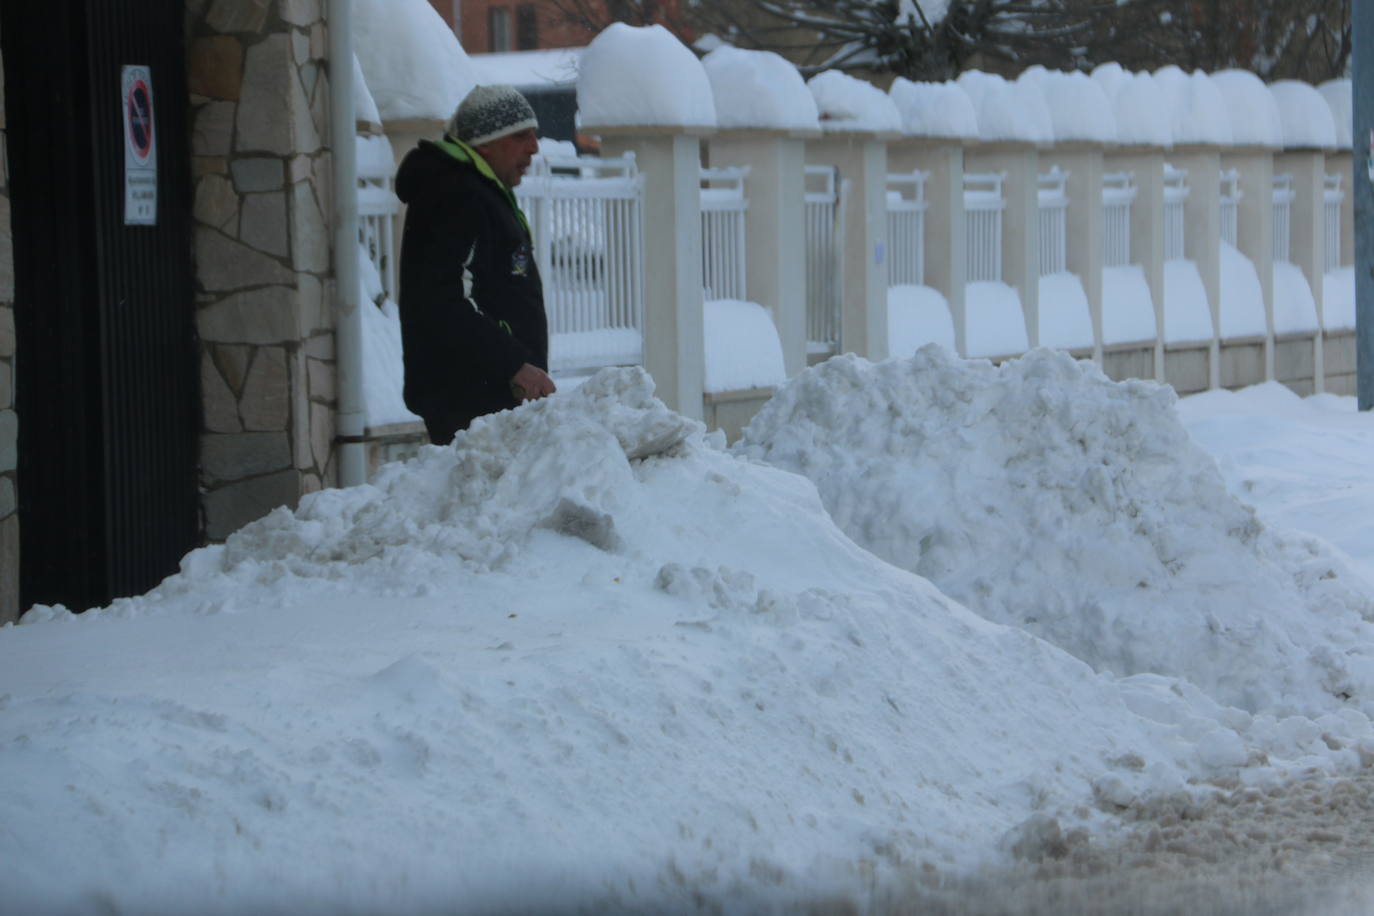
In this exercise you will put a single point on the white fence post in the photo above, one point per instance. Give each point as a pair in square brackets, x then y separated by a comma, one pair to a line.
[1254, 167]
[775, 242]
[945, 266]
[1085, 225]
[1020, 267]
[1147, 229]
[861, 157]
[674, 346]
[1307, 209]
[1202, 217]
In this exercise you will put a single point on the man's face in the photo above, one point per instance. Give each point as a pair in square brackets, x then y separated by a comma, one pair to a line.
[510, 155]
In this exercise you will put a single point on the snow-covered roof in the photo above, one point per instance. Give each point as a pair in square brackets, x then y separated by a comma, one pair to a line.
[759, 89]
[642, 76]
[849, 104]
[410, 59]
[934, 109]
[543, 69]
[1305, 115]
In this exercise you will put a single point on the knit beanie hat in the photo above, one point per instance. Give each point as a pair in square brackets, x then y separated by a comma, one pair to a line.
[489, 113]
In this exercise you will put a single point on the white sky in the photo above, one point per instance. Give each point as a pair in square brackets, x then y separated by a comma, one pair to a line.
[586, 656]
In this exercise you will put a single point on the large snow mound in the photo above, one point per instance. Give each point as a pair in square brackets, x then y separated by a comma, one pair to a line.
[1042, 494]
[583, 656]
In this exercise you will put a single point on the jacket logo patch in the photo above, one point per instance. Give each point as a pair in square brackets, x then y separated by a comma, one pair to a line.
[520, 262]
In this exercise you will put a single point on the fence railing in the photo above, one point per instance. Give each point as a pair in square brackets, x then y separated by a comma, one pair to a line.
[1175, 226]
[983, 204]
[1118, 194]
[1333, 197]
[821, 211]
[1284, 195]
[906, 236]
[1054, 230]
[586, 216]
[724, 208]
[1230, 205]
[378, 207]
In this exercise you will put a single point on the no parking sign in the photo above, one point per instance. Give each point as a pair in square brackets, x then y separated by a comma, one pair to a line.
[140, 147]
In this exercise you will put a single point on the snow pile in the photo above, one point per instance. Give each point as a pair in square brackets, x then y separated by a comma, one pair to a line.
[846, 103]
[759, 89]
[1043, 495]
[934, 109]
[1304, 114]
[642, 77]
[433, 74]
[582, 658]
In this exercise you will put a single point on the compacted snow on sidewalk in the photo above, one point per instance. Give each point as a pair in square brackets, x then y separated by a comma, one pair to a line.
[589, 657]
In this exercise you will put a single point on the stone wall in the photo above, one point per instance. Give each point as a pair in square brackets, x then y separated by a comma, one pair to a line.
[261, 170]
[9, 421]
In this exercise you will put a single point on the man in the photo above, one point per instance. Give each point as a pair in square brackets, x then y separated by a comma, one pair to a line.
[472, 307]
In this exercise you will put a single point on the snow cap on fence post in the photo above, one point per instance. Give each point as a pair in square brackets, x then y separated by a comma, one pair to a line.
[1142, 117]
[642, 77]
[759, 89]
[413, 63]
[1303, 115]
[1008, 111]
[1255, 118]
[849, 104]
[1339, 96]
[1078, 107]
[942, 110]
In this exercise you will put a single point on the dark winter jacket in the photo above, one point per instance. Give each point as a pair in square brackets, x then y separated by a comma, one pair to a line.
[472, 306]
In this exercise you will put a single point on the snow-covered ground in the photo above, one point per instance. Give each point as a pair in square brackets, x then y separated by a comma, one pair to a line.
[928, 616]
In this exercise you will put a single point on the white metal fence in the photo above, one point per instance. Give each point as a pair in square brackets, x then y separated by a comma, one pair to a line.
[983, 203]
[821, 211]
[1118, 194]
[1333, 196]
[1284, 195]
[586, 216]
[723, 211]
[1175, 226]
[378, 207]
[1053, 198]
[906, 236]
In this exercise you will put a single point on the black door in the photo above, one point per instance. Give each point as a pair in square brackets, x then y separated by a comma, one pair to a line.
[106, 386]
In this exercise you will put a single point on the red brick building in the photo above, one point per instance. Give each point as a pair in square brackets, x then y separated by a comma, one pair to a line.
[487, 26]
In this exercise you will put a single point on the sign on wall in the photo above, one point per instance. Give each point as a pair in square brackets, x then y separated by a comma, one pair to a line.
[140, 147]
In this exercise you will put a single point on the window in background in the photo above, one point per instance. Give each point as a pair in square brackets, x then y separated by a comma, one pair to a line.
[498, 22]
[526, 27]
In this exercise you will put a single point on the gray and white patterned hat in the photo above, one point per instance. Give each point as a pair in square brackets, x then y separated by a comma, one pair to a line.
[489, 113]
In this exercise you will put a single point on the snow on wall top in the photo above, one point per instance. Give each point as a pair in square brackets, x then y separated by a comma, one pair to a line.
[1139, 106]
[1008, 111]
[1306, 118]
[1079, 108]
[934, 109]
[759, 89]
[1196, 106]
[364, 106]
[642, 76]
[1338, 95]
[411, 60]
[1255, 117]
[847, 103]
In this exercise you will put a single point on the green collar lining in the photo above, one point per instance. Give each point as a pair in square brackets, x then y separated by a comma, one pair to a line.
[464, 153]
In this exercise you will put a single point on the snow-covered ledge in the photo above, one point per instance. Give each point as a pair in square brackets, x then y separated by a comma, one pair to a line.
[641, 91]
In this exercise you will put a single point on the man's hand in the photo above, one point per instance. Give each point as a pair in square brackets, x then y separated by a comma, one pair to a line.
[531, 383]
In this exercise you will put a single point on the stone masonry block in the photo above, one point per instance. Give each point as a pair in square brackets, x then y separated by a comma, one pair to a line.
[9, 569]
[300, 49]
[322, 386]
[217, 400]
[232, 361]
[227, 457]
[6, 384]
[9, 440]
[238, 15]
[266, 401]
[212, 131]
[8, 502]
[224, 264]
[6, 331]
[217, 204]
[229, 508]
[260, 316]
[300, 12]
[6, 252]
[264, 223]
[322, 435]
[274, 116]
[215, 67]
[310, 248]
[258, 173]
